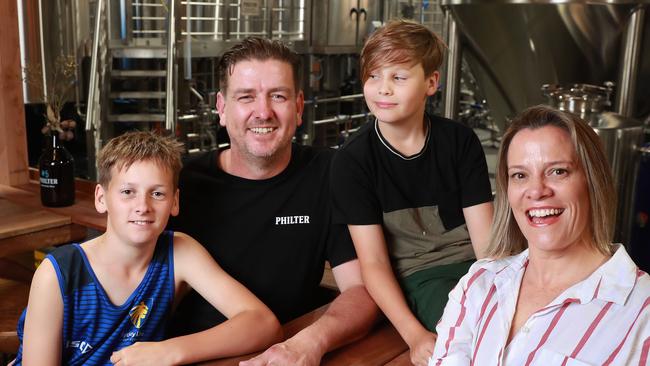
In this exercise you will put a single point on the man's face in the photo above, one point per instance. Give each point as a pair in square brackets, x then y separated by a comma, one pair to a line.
[260, 109]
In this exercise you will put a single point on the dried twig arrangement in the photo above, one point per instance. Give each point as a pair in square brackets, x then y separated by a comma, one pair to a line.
[63, 79]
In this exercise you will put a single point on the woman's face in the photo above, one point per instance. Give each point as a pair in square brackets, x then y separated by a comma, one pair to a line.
[547, 189]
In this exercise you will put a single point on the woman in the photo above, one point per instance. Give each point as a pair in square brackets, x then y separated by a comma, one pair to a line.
[572, 297]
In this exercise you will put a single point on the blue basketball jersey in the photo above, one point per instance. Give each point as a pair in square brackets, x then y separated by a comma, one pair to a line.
[93, 327]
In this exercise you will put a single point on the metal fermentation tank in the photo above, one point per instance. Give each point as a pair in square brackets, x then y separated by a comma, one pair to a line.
[513, 48]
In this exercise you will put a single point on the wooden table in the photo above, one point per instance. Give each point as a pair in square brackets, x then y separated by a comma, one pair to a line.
[24, 229]
[82, 212]
[382, 346]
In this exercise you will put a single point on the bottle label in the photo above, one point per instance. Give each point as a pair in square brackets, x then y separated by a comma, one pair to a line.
[46, 181]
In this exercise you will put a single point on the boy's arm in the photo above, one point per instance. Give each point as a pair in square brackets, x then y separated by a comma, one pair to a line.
[250, 326]
[42, 338]
[385, 290]
[349, 317]
[479, 223]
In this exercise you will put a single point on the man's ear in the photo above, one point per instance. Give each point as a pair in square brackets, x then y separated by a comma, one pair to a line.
[100, 199]
[432, 83]
[221, 107]
[300, 106]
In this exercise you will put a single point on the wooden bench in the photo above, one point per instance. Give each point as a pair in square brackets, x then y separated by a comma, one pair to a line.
[403, 359]
[14, 297]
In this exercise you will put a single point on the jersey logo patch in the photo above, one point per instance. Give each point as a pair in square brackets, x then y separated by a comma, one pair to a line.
[138, 313]
[83, 346]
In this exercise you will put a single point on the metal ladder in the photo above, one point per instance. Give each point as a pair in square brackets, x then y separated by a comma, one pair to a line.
[139, 73]
[133, 77]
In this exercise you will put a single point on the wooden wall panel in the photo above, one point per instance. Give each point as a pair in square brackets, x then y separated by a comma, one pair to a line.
[13, 140]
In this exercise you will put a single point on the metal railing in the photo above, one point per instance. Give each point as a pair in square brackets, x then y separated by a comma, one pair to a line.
[96, 85]
[219, 19]
[97, 67]
[170, 104]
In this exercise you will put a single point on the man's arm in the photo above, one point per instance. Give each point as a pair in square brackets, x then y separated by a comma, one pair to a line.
[479, 223]
[251, 325]
[349, 317]
[42, 339]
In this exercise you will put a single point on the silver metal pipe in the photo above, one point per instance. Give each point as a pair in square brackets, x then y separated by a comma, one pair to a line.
[196, 93]
[188, 117]
[92, 86]
[316, 101]
[215, 4]
[630, 63]
[341, 118]
[187, 50]
[226, 23]
[452, 77]
[269, 20]
[170, 109]
[215, 24]
[40, 30]
[128, 12]
[77, 58]
[148, 18]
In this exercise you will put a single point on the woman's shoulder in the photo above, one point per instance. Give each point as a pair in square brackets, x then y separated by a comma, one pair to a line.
[487, 269]
[497, 265]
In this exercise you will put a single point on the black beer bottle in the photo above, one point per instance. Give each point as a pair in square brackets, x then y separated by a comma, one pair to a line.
[56, 168]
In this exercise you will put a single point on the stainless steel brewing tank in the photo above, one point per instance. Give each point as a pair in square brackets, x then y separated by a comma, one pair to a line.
[621, 137]
[513, 47]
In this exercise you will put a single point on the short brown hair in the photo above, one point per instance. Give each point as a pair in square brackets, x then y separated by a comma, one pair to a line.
[124, 150]
[260, 49]
[506, 237]
[402, 41]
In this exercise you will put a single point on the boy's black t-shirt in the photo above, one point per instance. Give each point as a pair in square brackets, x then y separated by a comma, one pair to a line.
[272, 235]
[417, 199]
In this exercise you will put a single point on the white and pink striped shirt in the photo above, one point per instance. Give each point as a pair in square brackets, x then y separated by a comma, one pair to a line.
[603, 320]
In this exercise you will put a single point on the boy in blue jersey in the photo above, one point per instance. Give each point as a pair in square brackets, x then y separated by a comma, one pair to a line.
[106, 301]
[413, 188]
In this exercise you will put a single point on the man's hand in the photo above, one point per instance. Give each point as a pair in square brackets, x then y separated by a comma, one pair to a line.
[142, 354]
[422, 349]
[289, 352]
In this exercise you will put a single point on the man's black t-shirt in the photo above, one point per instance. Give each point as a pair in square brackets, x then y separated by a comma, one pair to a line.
[272, 235]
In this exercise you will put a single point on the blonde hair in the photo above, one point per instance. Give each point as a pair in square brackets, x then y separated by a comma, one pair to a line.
[124, 150]
[402, 41]
[506, 238]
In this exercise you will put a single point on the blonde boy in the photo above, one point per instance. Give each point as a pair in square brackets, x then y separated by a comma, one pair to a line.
[107, 300]
[413, 188]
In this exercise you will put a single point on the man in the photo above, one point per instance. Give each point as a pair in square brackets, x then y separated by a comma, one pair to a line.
[262, 208]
